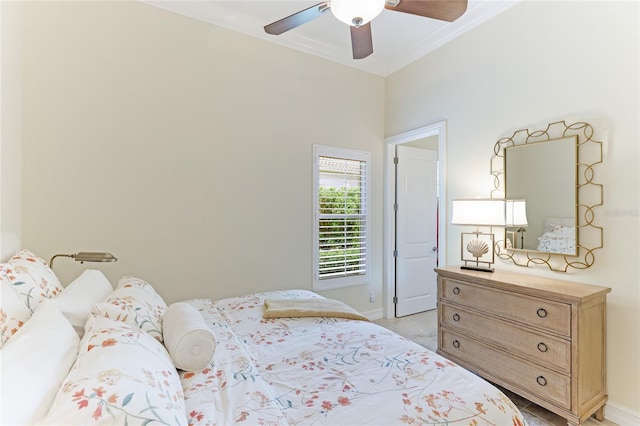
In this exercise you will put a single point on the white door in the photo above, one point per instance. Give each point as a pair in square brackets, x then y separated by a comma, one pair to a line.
[416, 230]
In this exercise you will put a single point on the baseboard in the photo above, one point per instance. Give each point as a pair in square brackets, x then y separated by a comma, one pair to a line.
[376, 314]
[620, 415]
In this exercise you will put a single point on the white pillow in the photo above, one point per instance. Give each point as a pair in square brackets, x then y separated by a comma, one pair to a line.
[136, 302]
[34, 364]
[78, 298]
[187, 337]
[13, 313]
[122, 376]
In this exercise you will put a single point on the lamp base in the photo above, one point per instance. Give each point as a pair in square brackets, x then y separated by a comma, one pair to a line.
[477, 268]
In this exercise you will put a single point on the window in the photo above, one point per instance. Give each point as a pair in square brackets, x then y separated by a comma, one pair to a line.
[341, 217]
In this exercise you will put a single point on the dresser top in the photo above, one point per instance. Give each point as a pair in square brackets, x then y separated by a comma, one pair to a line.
[531, 284]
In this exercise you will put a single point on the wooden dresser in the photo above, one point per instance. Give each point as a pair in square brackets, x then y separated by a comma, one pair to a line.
[541, 338]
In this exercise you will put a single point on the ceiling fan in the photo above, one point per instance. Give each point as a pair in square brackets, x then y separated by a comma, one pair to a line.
[359, 13]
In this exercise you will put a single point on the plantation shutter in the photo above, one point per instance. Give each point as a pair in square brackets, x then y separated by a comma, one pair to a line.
[341, 220]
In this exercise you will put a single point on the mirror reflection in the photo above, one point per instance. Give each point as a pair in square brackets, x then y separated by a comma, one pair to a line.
[544, 175]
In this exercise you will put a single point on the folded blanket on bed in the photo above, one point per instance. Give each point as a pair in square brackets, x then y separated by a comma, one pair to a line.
[309, 307]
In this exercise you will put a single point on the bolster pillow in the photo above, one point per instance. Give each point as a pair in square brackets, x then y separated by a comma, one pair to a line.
[187, 337]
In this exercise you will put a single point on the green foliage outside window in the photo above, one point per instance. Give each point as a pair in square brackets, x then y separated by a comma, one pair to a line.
[341, 240]
[339, 200]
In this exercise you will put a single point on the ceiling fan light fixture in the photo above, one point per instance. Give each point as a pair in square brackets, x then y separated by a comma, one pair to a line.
[356, 12]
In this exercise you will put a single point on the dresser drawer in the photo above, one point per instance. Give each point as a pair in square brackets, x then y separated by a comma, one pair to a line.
[545, 384]
[538, 312]
[541, 338]
[549, 351]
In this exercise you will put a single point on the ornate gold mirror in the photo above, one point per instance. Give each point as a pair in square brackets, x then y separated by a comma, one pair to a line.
[550, 174]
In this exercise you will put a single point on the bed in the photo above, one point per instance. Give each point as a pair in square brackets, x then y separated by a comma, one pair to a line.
[126, 357]
[559, 236]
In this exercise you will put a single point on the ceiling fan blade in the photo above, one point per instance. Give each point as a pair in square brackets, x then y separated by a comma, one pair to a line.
[361, 42]
[297, 19]
[444, 10]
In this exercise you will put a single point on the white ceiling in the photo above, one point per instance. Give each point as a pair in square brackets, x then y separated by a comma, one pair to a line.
[398, 38]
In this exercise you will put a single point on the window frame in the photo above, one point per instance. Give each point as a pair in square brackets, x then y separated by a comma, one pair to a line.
[323, 284]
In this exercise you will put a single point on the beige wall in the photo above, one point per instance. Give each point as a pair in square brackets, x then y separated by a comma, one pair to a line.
[537, 63]
[184, 149]
[152, 135]
[10, 119]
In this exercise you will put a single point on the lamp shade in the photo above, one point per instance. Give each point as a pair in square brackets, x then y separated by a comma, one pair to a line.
[478, 212]
[516, 213]
[89, 256]
[356, 12]
[489, 212]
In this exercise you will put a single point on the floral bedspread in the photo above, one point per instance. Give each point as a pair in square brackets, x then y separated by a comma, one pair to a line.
[329, 371]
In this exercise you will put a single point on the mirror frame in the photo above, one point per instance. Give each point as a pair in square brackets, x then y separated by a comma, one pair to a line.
[589, 195]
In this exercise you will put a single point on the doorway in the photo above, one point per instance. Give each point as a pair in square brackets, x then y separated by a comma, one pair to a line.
[437, 133]
[416, 227]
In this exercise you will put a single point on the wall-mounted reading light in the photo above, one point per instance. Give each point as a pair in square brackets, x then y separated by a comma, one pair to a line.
[87, 256]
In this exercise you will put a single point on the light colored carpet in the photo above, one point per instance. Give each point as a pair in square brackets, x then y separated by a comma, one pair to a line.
[421, 328]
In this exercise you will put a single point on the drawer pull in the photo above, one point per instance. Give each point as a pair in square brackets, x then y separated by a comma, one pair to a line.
[456, 317]
[541, 381]
[456, 290]
[456, 344]
[542, 313]
[542, 347]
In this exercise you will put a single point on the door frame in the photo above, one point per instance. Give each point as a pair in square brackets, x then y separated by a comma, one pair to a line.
[436, 129]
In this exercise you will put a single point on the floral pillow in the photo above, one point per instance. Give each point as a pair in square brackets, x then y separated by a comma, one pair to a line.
[136, 302]
[568, 231]
[122, 376]
[13, 313]
[32, 278]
